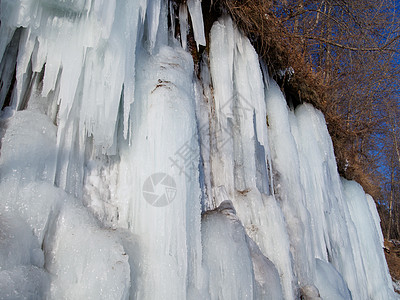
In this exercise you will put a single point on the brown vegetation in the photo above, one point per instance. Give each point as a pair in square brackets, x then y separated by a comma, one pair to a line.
[345, 57]
[392, 254]
[338, 49]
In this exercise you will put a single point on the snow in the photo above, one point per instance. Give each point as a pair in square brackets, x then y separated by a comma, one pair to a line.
[127, 172]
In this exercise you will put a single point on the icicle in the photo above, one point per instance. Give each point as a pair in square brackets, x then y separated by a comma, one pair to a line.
[183, 24]
[197, 21]
[153, 20]
[106, 110]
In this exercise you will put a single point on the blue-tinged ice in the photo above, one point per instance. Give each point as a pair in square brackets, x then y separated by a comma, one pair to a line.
[129, 170]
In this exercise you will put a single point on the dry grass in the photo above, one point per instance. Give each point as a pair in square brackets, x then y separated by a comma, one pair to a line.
[281, 49]
[393, 260]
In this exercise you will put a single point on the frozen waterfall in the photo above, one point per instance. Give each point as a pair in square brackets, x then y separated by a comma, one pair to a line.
[127, 171]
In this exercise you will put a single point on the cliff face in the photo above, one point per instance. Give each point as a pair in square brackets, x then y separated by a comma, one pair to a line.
[129, 173]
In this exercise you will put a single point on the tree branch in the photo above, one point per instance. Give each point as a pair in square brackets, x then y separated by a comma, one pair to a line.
[372, 49]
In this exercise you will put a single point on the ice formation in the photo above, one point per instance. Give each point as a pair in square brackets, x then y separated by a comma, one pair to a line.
[128, 173]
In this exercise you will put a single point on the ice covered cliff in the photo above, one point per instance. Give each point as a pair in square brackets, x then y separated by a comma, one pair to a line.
[126, 173]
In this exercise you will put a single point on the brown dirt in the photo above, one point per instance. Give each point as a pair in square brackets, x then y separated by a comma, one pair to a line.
[393, 260]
